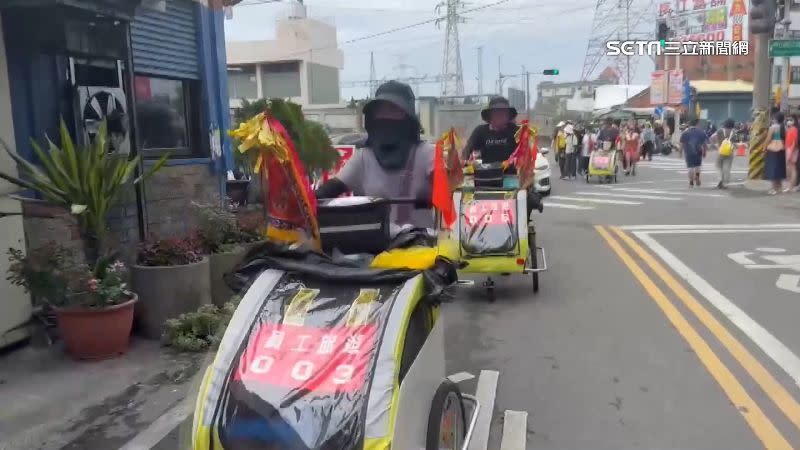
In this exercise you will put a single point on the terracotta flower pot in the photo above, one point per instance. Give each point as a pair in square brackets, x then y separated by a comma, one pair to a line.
[94, 334]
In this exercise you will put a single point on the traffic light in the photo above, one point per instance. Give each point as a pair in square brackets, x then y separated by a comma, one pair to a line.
[762, 16]
[550, 72]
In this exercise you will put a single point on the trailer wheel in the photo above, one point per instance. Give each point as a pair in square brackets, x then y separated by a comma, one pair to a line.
[447, 422]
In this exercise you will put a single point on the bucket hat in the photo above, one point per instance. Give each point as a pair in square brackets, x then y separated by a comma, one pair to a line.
[398, 94]
[498, 103]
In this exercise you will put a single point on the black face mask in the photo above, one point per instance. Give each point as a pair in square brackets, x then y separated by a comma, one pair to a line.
[392, 141]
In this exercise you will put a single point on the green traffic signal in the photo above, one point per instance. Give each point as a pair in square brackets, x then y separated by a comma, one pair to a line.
[550, 72]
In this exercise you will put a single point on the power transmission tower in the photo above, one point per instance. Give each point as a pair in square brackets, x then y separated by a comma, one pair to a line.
[373, 84]
[617, 20]
[406, 71]
[453, 82]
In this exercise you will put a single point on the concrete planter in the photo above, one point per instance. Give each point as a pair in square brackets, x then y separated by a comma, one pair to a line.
[222, 263]
[166, 292]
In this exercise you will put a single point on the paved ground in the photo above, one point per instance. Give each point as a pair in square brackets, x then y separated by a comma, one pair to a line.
[52, 402]
[667, 320]
[594, 358]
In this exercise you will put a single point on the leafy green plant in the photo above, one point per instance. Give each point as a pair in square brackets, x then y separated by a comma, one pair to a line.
[99, 286]
[310, 138]
[41, 272]
[200, 330]
[86, 181]
[219, 229]
[170, 252]
[53, 279]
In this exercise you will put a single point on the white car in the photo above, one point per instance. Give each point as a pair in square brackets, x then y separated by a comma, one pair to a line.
[542, 172]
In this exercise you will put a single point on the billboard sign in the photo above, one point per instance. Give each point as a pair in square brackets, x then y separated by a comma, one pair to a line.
[705, 20]
[658, 87]
[675, 91]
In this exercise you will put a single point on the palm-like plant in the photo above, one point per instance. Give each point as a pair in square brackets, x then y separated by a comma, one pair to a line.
[86, 181]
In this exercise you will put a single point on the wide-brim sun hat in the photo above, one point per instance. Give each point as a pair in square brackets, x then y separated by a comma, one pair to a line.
[497, 103]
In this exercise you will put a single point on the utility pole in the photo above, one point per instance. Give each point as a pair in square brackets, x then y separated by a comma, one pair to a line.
[527, 94]
[480, 70]
[499, 74]
[762, 25]
[787, 70]
[372, 75]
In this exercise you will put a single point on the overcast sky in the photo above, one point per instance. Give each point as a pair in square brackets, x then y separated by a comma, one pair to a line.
[537, 34]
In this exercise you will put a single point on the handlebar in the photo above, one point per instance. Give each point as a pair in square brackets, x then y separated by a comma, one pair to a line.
[362, 201]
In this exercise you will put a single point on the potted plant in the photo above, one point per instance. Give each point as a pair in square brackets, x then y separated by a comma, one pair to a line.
[87, 182]
[171, 277]
[226, 242]
[93, 305]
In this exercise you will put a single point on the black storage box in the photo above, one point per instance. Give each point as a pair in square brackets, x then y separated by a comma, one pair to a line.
[362, 227]
[488, 176]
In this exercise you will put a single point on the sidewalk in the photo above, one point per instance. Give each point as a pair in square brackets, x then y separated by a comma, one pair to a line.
[51, 402]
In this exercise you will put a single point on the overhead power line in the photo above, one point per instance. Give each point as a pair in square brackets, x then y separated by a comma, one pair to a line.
[381, 33]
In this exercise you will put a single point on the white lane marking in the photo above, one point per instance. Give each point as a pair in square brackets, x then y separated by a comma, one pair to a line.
[644, 197]
[515, 430]
[660, 191]
[460, 377]
[566, 206]
[788, 282]
[486, 394]
[671, 180]
[726, 230]
[595, 200]
[160, 428]
[768, 343]
[759, 226]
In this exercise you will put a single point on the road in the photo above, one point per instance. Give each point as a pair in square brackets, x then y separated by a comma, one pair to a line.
[667, 319]
[612, 353]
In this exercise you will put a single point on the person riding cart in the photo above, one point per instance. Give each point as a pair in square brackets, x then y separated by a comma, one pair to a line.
[395, 162]
[496, 141]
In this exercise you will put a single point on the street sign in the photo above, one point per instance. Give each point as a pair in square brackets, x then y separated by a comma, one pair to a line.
[784, 48]
[658, 111]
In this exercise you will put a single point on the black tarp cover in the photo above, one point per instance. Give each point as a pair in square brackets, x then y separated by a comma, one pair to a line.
[299, 377]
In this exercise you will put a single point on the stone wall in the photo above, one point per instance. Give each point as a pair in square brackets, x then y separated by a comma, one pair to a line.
[169, 195]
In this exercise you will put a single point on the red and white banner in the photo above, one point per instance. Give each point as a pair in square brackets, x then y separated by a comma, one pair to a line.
[323, 360]
[490, 212]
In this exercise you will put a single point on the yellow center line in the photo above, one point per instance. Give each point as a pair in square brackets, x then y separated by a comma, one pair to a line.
[775, 390]
[765, 430]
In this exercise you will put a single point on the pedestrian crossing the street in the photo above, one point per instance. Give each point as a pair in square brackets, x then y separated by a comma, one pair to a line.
[614, 196]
